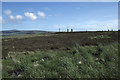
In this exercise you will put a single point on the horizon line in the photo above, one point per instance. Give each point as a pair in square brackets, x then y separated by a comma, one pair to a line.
[56, 30]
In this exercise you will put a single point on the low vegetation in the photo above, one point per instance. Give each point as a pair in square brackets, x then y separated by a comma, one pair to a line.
[55, 41]
[61, 55]
[99, 37]
[78, 62]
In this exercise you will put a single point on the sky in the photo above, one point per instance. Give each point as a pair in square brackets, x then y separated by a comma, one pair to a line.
[50, 16]
[60, 0]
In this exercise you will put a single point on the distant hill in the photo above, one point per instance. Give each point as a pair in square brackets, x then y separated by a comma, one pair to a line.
[22, 32]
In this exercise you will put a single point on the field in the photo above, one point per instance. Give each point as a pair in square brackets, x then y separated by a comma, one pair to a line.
[61, 55]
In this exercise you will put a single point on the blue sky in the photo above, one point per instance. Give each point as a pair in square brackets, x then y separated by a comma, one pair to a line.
[50, 16]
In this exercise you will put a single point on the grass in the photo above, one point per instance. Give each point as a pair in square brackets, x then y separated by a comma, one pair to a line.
[79, 62]
[99, 37]
[55, 41]
[26, 36]
[0, 68]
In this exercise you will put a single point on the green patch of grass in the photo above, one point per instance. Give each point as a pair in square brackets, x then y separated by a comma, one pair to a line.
[27, 36]
[99, 37]
[79, 62]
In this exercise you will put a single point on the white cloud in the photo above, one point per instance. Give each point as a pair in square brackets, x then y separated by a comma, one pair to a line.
[1, 19]
[8, 12]
[31, 16]
[41, 14]
[14, 19]
[19, 17]
[11, 17]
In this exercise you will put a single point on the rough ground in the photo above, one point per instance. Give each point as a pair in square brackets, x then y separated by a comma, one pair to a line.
[56, 41]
